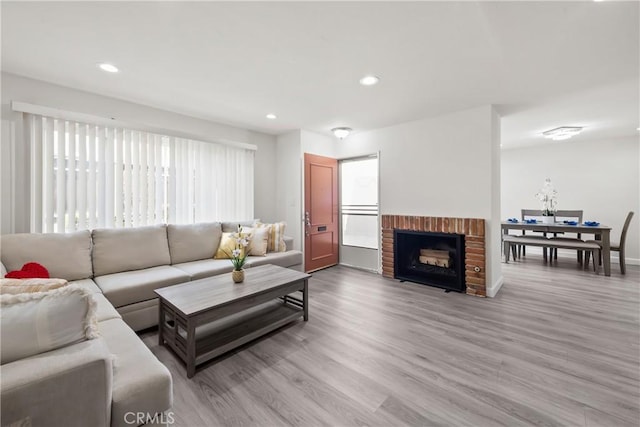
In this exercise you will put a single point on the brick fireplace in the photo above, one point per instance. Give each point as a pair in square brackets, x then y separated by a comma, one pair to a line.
[474, 242]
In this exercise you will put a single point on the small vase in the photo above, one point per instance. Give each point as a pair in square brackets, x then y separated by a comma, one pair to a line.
[237, 276]
[548, 219]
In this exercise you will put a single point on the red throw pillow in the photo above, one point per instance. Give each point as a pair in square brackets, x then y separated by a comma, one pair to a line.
[31, 270]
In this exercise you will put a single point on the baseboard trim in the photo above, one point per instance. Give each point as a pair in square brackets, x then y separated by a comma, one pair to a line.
[368, 270]
[492, 291]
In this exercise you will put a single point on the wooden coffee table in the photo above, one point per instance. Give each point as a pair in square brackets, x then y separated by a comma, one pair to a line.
[203, 319]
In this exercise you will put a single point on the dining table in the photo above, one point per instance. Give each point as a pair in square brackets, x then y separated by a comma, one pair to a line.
[602, 233]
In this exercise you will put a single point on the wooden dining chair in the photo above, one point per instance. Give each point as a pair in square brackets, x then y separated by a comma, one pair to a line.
[618, 246]
[569, 215]
[530, 214]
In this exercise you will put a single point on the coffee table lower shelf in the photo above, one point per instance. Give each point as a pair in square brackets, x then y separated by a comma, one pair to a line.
[221, 336]
[210, 346]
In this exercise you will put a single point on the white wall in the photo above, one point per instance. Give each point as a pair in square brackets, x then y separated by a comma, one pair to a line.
[494, 238]
[16, 88]
[440, 166]
[600, 177]
[320, 145]
[289, 183]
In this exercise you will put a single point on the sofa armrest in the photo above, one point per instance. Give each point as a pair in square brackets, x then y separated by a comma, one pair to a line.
[288, 241]
[69, 386]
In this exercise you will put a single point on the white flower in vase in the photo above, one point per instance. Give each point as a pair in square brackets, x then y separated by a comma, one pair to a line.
[549, 198]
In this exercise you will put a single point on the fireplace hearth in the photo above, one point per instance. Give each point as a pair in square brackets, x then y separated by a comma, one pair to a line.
[435, 259]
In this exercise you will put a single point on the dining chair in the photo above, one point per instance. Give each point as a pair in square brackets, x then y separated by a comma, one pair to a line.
[530, 214]
[569, 215]
[618, 246]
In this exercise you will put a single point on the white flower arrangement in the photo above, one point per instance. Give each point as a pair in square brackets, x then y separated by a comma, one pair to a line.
[239, 255]
[549, 198]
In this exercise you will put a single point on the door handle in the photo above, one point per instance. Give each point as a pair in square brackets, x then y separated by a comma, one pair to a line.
[307, 223]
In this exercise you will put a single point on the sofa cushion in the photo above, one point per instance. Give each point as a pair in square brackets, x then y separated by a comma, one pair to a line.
[134, 286]
[66, 256]
[124, 249]
[88, 284]
[288, 242]
[141, 384]
[104, 309]
[283, 259]
[140, 315]
[192, 242]
[205, 268]
[34, 323]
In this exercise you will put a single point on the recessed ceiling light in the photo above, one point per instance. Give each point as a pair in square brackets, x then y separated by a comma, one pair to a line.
[109, 68]
[369, 80]
[342, 132]
[563, 132]
[271, 116]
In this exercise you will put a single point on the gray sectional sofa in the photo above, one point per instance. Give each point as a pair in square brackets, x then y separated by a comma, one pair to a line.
[121, 267]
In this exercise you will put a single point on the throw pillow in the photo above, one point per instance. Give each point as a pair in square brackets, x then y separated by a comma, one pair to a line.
[29, 271]
[276, 236]
[20, 286]
[3, 270]
[258, 240]
[226, 247]
[38, 322]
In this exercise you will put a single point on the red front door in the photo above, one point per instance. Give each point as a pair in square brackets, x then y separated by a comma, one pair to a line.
[320, 211]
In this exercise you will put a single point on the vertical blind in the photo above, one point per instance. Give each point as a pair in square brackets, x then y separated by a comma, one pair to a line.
[88, 176]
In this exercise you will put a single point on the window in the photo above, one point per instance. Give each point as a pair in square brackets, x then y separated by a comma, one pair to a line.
[359, 202]
[87, 176]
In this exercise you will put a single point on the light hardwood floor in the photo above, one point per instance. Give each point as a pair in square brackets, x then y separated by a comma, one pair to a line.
[558, 346]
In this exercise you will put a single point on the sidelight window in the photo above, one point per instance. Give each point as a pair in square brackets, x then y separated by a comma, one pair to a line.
[359, 202]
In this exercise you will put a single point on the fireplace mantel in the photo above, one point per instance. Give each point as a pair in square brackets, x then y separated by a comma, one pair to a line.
[472, 228]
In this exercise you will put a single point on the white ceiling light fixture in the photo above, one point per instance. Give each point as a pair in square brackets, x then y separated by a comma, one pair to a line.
[109, 68]
[341, 132]
[271, 116]
[369, 80]
[563, 132]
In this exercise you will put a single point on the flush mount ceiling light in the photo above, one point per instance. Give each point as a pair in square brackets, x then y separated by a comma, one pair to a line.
[109, 68]
[563, 132]
[369, 80]
[342, 132]
[271, 116]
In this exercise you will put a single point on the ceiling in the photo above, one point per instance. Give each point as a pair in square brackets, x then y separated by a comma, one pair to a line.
[543, 64]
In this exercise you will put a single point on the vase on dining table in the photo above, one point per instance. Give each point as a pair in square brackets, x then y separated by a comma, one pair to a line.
[548, 219]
